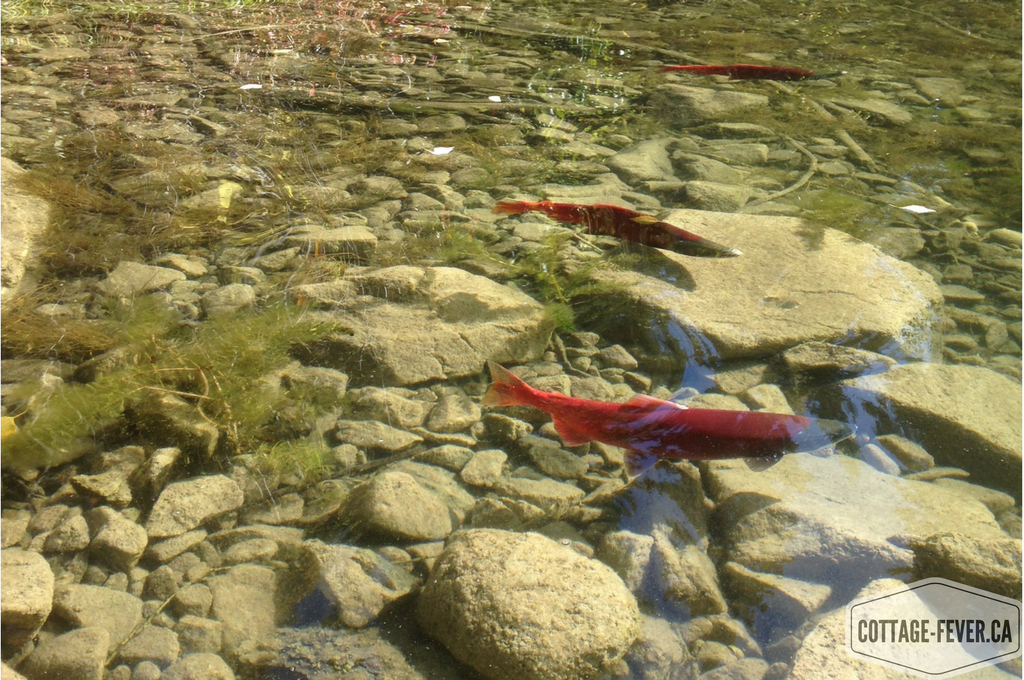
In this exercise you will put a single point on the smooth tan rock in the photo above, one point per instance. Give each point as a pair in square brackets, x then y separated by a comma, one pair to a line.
[964, 416]
[522, 607]
[80, 654]
[25, 218]
[26, 594]
[394, 505]
[407, 325]
[793, 284]
[185, 505]
[834, 521]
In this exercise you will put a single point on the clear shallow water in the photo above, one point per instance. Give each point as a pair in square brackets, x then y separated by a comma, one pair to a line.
[146, 131]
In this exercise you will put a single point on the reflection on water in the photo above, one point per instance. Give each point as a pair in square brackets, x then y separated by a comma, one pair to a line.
[252, 274]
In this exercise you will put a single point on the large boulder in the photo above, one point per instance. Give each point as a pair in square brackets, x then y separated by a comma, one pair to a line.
[964, 416]
[407, 325]
[794, 283]
[523, 607]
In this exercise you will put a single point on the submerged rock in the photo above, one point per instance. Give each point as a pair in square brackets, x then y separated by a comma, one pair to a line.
[992, 565]
[834, 521]
[792, 285]
[523, 607]
[359, 583]
[186, 505]
[395, 506]
[407, 325]
[25, 218]
[322, 654]
[964, 416]
[132, 278]
[244, 603]
[80, 654]
[687, 106]
[84, 606]
[26, 595]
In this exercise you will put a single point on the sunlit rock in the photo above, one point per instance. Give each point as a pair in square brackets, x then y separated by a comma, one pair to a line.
[407, 325]
[834, 521]
[793, 284]
[523, 607]
[25, 218]
[964, 416]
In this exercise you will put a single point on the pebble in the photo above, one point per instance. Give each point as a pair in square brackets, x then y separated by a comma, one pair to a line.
[199, 635]
[394, 505]
[485, 468]
[186, 505]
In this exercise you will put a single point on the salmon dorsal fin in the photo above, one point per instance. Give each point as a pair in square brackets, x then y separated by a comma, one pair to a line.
[570, 436]
[648, 403]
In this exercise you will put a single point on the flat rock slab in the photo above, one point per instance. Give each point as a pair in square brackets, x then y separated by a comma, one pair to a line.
[835, 521]
[794, 283]
[407, 325]
[964, 416]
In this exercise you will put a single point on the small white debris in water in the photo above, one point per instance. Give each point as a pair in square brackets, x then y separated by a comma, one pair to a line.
[442, 150]
[919, 209]
[494, 98]
[251, 86]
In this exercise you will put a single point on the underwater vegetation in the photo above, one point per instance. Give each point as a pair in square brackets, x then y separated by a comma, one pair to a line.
[215, 379]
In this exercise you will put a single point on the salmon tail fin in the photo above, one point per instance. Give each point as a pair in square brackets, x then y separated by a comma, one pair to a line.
[507, 389]
[513, 207]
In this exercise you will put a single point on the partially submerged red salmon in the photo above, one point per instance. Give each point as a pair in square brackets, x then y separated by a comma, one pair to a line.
[614, 220]
[652, 429]
[749, 72]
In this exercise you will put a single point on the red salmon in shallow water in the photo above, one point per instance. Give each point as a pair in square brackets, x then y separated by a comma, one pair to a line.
[652, 429]
[748, 72]
[614, 220]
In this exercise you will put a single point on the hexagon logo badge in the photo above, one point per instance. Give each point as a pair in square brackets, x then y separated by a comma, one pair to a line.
[934, 628]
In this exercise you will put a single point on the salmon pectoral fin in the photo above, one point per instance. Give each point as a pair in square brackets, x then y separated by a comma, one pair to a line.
[571, 436]
[763, 463]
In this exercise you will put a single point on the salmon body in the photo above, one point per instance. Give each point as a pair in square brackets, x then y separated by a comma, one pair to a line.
[745, 71]
[630, 225]
[652, 429]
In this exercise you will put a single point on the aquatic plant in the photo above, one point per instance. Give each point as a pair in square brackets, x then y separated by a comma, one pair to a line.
[217, 372]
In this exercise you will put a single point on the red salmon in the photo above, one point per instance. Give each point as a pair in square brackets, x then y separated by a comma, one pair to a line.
[652, 429]
[749, 72]
[614, 220]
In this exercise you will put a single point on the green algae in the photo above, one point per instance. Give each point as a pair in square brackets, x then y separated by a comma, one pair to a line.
[221, 370]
